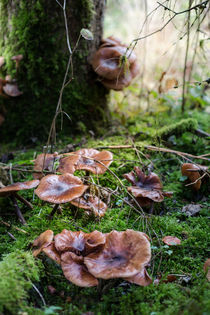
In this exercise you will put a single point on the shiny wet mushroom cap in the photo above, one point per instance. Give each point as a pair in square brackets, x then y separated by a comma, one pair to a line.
[124, 255]
[90, 203]
[7, 190]
[60, 188]
[86, 159]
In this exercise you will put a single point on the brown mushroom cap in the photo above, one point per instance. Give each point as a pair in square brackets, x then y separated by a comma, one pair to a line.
[115, 64]
[52, 253]
[192, 175]
[7, 190]
[44, 162]
[111, 41]
[107, 61]
[60, 188]
[124, 255]
[12, 89]
[70, 241]
[86, 159]
[75, 271]
[141, 278]
[42, 241]
[91, 203]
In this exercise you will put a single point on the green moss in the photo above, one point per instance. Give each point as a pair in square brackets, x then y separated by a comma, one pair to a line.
[178, 128]
[17, 271]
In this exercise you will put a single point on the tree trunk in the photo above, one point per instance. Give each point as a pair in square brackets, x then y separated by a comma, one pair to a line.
[36, 29]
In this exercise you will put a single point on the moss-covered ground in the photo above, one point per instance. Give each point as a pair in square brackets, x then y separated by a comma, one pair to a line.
[21, 275]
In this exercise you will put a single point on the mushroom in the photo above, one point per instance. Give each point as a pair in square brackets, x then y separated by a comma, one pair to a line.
[86, 159]
[74, 246]
[44, 240]
[44, 161]
[115, 63]
[17, 60]
[125, 254]
[12, 89]
[11, 191]
[90, 203]
[146, 189]
[192, 172]
[59, 189]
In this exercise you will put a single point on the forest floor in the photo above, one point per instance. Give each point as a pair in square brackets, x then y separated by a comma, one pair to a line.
[180, 285]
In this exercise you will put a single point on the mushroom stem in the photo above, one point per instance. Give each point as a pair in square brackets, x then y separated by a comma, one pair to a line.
[17, 210]
[151, 208]
[55, 208]
[23, 200]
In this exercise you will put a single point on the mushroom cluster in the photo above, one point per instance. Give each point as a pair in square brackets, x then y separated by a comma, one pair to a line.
[146, 189]
[66, 187]
[115, 63]
[87, 257]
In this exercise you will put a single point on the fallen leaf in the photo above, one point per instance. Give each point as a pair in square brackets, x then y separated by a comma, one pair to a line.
[171, 240]
[191, 209]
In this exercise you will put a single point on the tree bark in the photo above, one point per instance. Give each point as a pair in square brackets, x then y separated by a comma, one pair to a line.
[36, 29]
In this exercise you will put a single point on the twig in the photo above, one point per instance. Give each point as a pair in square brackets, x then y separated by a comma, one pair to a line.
[12, 236]
[197, 180]
[153, 148]
[186, 56]
[39, 293]
[14, 227]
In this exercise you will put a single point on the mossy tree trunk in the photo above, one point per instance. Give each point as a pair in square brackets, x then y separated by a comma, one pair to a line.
[36, 29]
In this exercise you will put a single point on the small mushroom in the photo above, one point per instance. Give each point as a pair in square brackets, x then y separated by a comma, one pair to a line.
[192, 172]
[90, 203]
[12, 89]
[124, 255]
[145, 188]
[17, 60]
[86, 159]
[44, 240]
[44, 162]
[59, 189]
[11, 191]
[115, 63]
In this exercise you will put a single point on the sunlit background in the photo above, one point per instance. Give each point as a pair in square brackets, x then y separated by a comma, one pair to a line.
[164, 51]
